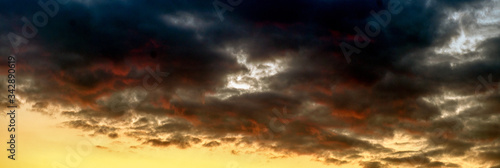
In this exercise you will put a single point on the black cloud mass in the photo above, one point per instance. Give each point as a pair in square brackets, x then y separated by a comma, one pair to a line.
[419, 91]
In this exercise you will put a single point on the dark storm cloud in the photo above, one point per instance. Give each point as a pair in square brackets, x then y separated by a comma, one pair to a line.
[92, 55]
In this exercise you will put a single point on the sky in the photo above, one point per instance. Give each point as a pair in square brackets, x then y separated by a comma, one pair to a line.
[247, 84]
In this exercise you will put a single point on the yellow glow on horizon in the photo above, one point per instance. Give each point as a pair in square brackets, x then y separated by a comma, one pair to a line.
[42, 143]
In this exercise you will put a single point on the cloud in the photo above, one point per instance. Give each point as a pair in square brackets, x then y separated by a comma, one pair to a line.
[91, 126]
[211, 144]
[372, 165]
[274, 77]
[113, 135]
[177, 140]
[335, 161]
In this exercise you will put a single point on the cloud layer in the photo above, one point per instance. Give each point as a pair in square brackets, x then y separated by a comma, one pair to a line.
[272, 75]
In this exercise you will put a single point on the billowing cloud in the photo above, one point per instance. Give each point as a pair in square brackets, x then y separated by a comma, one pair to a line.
[422, 92]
